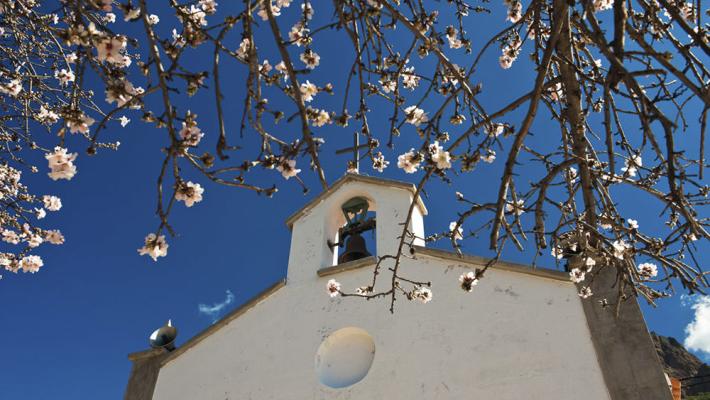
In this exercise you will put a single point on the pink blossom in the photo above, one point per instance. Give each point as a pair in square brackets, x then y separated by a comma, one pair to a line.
[61, 164]
[333, 287]
[31, 264]
[154, 247]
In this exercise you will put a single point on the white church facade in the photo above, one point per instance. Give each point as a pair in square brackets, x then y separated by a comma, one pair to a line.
[522, 333]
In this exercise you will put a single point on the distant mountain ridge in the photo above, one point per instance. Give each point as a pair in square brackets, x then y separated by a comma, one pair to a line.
[680, 363]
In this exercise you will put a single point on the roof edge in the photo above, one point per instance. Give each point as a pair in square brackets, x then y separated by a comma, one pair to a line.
[234, 314]
[139, 355]
[452, 256]
[354, 177]
[499, 265]
[363, 262]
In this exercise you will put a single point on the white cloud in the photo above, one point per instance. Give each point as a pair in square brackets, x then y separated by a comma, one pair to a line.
[215, 310]
[697, 333]
[686, 300]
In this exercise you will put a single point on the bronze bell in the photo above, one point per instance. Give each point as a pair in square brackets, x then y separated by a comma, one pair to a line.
[355, 249]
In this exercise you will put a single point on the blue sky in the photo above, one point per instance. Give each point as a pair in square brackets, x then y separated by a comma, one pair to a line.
[66, 330]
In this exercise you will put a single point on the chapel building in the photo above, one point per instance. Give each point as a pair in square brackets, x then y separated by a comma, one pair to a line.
[522, 333]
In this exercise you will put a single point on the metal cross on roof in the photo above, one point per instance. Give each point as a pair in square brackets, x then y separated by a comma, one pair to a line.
[355, 149]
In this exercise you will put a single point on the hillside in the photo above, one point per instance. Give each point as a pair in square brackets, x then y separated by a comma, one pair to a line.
[680, 363]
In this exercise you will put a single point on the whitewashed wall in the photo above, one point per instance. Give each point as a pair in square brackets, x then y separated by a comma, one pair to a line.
[517, 336]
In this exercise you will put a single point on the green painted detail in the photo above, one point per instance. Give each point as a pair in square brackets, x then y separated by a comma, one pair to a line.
[355, 210]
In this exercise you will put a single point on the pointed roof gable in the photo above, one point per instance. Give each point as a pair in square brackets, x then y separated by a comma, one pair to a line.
[354, 178]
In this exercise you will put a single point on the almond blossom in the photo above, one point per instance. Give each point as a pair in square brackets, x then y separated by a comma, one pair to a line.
[601, 5]
[409, 79]
[131, 13]
[585, 292]
[555, 92]
[388, 85]
[8, 262]
[452, 35]
[510, 51]
[61, 164]
[264, 68]
[31, 264]
[298, 34]
[457, 119]
[515, 9]
[647, 270]
[505, 61]
[605, 222]
[122, 92]
[687, 11]
[374, 4]
[489, 157]
[571, 174]
[422, 294]
[468, 281]
[518, 207]
[243, 50]
[352, 168]
[110, 49]
[197, 15]
[620, 247]
[12, 88]
[363, 290]
[632, 164]
[54, 237]
[307, 10]
[318, 117]
[457, 232]
[47, 116]
[52, 203]
[440, 157]
[576, 275]
[379, 163]
[333, 287]
[154, 247]
[11, 237]
[310, 58]
[190, 133]
[416, 116]
[275, 10]
[64, 76]
[190, 193]
[495, 130]
[80, 124]
[208, 6]
[409, 161]
[281, 67]
[71, 57]
[68, 57]
[287, 168]
[308, 90]
[34, 240]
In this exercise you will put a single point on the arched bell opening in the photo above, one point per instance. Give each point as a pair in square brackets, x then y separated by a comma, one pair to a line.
[356, 237]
